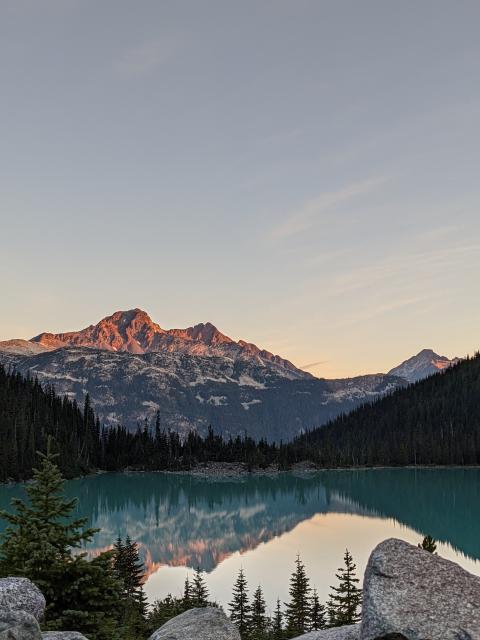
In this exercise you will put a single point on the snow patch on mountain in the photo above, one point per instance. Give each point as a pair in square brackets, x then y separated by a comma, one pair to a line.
[217, 401]
[247, 381]
[247, 405]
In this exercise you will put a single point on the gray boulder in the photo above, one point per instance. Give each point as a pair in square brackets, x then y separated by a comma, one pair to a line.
[348, 632]
[18, 625]
[20, 594]
[63, 635]
[198, 624]
[412, 594]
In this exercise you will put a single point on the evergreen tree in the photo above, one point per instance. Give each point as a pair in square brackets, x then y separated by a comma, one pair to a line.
[169, 607]
[38, 544]
[259, 620]
[119, 561]
[135, 575]
[277, 632]
[239, 607]
[345, 601]
[41, 532]
[297, 612]
[317, 613]
[130, 572]
[164, 610]
[187, 594]
[429, 544]
[199, 590]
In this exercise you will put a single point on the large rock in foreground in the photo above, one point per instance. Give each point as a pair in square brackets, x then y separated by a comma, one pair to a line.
[20, 594]
[410, 593]
[198, 624]
[348, 632]
[18, 625]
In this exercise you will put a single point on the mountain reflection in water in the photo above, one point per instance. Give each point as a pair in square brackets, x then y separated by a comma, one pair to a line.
[184, 521]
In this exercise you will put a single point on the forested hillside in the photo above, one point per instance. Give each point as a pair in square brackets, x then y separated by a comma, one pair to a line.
[435, 421]
[29, 414]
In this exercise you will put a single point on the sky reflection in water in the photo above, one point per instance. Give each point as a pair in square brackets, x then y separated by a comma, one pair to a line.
[261, 523]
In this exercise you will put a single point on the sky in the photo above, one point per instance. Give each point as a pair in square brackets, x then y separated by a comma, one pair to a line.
[304, 174]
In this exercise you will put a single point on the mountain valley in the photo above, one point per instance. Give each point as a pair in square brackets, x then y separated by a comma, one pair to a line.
[195, 377]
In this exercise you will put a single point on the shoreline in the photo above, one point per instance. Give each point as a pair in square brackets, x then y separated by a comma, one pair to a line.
[236, 470]
[232, 470]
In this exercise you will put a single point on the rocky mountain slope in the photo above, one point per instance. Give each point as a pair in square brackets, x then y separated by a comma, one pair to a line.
[235, 397]
[193, 377]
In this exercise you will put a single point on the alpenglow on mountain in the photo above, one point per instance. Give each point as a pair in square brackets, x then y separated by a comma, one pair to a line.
[132, 368]
[134, 332]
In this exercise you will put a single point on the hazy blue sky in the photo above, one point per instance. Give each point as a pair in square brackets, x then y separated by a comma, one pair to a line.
[303, 174]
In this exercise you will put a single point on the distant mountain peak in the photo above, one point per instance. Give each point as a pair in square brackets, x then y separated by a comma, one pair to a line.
[131, 330]
[131, 316]
[206, 333]
[425, 363]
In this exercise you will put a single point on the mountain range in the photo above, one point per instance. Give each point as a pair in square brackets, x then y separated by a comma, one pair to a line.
[132, 368]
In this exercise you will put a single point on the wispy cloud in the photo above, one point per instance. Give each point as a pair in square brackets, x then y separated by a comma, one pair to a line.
[308, 215]
[407, 266]
[388, 307]
[312, 365]
[146, 57]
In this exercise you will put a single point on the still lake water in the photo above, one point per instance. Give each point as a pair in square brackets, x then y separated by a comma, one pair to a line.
[261, 523]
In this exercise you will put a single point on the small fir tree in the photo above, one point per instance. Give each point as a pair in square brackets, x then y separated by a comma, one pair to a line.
[199, 590]
[38, 544]
[119, 558]
[164, 610]
[297, 612]
[259, 620]
[135, 575]
[130, 572]
[277, 632]
[187, 594]
[239, 607]
[346, 599]
[318, 618]
[429, 544]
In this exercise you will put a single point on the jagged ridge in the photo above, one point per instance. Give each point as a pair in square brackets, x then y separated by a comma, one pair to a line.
[135, 332]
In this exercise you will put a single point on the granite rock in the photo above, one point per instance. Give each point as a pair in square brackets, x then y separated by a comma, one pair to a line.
[413, 594]
[348, 632]
[20, 594]
[207, 623]
[18, 625]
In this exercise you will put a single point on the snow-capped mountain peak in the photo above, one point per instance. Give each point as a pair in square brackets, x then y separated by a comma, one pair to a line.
[422, 365]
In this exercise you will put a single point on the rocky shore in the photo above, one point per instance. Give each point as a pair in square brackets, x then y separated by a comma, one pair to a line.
[408, 594]
[228, 470]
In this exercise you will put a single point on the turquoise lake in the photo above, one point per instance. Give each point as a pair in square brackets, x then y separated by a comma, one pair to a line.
[260, 523]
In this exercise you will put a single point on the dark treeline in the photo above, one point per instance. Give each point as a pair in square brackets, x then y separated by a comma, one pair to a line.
[30, 414]
[435, 421]
[157, 449]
